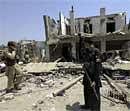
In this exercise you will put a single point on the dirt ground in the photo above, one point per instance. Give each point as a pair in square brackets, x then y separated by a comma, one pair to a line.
[33, 98]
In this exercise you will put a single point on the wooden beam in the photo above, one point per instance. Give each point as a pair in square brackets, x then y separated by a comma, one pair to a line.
[115, 85]
[113, 99]
[67, 86]
[122, 91]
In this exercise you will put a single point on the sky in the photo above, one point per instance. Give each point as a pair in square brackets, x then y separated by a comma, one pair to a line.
[23, 19]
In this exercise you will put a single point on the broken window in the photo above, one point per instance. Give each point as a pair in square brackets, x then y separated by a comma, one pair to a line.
[68, 30]
[88, 28]
[110, 18]
[110, 27]
[129, 25]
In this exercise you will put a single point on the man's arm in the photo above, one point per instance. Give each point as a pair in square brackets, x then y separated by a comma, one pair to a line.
[10, 55]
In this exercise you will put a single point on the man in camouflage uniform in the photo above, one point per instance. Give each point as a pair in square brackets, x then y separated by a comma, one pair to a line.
[13, 72]
[91, 67]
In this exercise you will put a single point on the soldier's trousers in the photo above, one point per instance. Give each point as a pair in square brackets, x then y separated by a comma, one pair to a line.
[14, 75]
[90, 99]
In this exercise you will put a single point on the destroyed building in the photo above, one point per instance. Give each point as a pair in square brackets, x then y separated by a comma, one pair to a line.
[63, 37]
[31, 50]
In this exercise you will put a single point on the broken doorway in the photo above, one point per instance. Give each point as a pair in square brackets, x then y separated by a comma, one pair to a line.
[66, 52]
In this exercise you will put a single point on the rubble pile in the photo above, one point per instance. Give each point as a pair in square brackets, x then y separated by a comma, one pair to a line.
[69, 67]
[40, 67]
[117, 70]
[39, 85]
[54, 76]
[43, 76]
[45, 80]
[53, 67]
[47, 102]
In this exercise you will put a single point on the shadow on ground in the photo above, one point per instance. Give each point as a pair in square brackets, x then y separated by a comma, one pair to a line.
[128, 105]
[74, 107]
[2, 90]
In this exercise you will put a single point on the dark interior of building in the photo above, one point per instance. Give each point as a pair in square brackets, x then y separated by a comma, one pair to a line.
[66, 52]
[110, 27]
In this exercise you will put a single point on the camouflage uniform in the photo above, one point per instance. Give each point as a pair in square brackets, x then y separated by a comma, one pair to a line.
[13, 72]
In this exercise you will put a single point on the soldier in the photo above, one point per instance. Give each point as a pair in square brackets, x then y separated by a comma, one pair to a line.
[91, 79]
[13, 71]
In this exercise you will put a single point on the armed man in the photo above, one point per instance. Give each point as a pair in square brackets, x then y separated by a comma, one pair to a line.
[13, 72]
[91, 80]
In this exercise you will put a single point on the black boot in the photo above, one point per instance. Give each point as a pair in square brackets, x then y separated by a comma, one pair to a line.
[9, 90]
[84, 107]
[12, 90]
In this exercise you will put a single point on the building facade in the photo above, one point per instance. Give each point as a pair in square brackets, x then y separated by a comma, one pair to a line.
[63, 37]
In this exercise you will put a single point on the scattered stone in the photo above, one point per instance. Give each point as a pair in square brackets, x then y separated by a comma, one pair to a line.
[34, 106]
[112, 104]
[29, 91]
[40, 102]
[39, 109]
[9, 96]
[49, 95]
[29, 95]
[2, 101]
[41, 85]
[61, 83]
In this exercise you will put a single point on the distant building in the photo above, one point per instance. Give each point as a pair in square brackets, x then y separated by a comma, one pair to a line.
[30, 49]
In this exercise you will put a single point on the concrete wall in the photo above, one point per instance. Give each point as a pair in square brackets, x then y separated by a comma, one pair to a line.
[99, 22]
[98, 26]
[120, 21]
[81, 25]
[95, 25]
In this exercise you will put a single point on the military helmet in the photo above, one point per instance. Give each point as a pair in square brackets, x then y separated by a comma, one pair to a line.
[12, 45]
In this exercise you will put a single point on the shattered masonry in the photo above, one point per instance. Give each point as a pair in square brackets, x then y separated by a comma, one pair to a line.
[109, 32]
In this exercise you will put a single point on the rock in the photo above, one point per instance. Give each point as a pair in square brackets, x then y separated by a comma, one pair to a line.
[49, 95]
[50, 83]
[61, 83]
[29, 91]
[39, 109]
[34, 105]
[41, 85]
[29, 95]
[9, 96]
[112, 104]
[2, 101]
[40, 102]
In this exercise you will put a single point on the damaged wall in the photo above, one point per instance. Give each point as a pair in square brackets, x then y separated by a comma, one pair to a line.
[100, 24]
[94, 25]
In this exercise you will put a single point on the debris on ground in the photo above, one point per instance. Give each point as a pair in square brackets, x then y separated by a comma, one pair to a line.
[38, 87]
